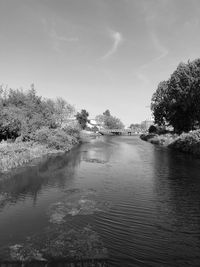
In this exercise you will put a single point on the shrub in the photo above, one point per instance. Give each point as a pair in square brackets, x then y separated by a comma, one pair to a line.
[162, 130]
[55, 138]
[72, 128]
[58, 140]
[152, 129]
[146, 137]
[42, 135]
[187, 142]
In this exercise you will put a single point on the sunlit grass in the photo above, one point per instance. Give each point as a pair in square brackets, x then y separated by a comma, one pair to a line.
[16, 154]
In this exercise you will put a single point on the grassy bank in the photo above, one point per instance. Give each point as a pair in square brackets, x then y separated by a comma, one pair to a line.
[186, 142]
[41, 143]
[163, 139]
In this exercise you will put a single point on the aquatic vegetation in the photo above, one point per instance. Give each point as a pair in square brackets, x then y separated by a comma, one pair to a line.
[76, 202]
[25, 253]
[74, 243]
[58, 214]
[60, 243]
[59, 211]
[95, 161]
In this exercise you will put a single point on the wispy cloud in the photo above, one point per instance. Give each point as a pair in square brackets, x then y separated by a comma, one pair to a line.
[152, 11]
[117, 40]
[56, 38]
[160, 49]
[163, 51]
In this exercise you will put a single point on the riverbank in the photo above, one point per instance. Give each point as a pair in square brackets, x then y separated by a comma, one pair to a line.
[16, 154]
[186, 142]
[43, 142]
[163, 139]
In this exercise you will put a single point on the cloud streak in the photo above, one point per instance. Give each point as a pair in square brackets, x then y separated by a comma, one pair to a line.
[163, 51]
[160, 49]
[117, 40]
[58, 39]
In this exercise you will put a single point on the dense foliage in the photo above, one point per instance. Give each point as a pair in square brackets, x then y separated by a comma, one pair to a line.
[177, 100]
[188, 143]
[82, 118]
[152, 129]
[108, 121]
[25, 115]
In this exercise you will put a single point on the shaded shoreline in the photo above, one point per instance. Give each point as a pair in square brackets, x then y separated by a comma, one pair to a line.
[188, 143]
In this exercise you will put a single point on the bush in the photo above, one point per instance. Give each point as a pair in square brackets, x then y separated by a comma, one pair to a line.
[42, 135]
[72, 128]
[162, 130]
[55, 138]
[163, 139]
[152, 129]
[146, 137]
[187, 142]
[59, 140]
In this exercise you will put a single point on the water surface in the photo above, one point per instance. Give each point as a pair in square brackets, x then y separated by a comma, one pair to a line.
[140, 203]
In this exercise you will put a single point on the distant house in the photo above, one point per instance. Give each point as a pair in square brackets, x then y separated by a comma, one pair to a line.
[94, 123]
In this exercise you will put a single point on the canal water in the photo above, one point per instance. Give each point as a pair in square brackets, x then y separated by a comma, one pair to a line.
[116, 197]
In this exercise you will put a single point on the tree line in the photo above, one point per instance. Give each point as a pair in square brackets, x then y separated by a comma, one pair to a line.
[26, 115]
[176, 101]
[108, 121]
[23, 113]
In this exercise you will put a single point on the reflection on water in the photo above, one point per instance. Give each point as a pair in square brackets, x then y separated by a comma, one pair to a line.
[138, 202]
[55, 172]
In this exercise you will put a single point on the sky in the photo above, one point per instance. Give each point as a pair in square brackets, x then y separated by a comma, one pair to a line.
[97, 54]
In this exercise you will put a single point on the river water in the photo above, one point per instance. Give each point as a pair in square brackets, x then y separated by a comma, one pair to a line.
[139, 202]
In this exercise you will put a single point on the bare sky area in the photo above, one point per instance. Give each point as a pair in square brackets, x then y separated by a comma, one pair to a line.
[97, 54]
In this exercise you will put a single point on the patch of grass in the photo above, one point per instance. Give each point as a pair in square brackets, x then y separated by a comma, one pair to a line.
[18, 153]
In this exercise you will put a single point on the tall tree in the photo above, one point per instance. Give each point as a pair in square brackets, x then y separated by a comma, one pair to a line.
[108, 121]
[107, 113]
[62, 111]
[177, 101]
[82, 118]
